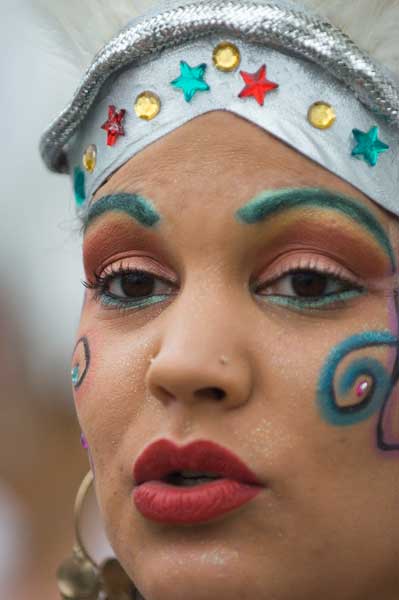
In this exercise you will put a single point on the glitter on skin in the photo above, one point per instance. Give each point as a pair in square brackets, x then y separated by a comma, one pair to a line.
[134, 205]
[269, 203]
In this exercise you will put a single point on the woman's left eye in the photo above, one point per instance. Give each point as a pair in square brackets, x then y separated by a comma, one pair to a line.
[309, 288]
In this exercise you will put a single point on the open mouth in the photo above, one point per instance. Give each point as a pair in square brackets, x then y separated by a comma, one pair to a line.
[189, 478]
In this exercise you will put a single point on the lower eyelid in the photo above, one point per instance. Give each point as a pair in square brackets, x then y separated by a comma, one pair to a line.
[111, 302]
[323, 301]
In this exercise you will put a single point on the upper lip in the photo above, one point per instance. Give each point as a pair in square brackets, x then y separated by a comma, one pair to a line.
[163, 457]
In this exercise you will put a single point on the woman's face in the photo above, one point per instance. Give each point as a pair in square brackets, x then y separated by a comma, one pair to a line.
[265, 322]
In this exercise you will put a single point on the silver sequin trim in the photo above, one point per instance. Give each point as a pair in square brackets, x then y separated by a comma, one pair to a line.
[291, 31]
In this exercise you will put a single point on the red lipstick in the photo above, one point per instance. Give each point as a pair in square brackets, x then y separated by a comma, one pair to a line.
[192, 483]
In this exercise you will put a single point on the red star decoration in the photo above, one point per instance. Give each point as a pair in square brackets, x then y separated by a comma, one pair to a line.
[113, 126]
[257, 85]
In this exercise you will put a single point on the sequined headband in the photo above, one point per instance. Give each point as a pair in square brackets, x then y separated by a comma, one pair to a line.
[272, 63]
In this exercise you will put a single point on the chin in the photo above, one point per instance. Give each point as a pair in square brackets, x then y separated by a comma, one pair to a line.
[208, 575]
[193, 584]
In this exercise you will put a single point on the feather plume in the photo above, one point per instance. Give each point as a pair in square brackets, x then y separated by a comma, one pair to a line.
[372, 24]
[86, 25]
[81, 27]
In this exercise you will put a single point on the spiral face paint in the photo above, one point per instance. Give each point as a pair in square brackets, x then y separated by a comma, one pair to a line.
[373, 391]
[379, 389]
[80, 362]
[80, 367]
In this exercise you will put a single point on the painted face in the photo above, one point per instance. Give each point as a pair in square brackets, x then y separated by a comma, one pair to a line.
[241, 294]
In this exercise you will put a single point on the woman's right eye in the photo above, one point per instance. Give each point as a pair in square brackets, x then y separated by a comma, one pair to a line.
[136, 285]
[130, 288]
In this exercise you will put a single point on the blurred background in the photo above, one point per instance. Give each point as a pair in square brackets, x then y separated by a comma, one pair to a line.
[42, 461]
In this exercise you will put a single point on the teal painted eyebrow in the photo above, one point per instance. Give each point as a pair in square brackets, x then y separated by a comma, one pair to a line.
[270, 203]
[136, 206]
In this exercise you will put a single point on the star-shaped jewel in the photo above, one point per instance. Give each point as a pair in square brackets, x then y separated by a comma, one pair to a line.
[191, 80]
[368, 145]
[113, 126]
[257, 85]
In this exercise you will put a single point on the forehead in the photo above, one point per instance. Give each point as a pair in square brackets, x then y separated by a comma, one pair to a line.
[220, 155]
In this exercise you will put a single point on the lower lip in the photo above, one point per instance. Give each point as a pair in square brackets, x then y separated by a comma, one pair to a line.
[168, 503]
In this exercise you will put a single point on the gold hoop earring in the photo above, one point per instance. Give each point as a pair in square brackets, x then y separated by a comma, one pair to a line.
[79, 577]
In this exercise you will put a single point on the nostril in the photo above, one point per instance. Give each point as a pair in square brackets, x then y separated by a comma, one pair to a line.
[164, 393]
[213, 392]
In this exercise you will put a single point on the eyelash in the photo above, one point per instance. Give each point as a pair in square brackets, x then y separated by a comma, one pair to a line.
[108, 301]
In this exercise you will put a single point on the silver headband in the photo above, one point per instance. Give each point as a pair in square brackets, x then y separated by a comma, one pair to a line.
[286, 70]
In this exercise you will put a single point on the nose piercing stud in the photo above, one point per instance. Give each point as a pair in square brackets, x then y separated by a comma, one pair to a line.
[83, 441]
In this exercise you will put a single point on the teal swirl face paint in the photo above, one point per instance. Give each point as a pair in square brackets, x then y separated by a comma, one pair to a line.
[134, 205]
[270, 203]
[370, 369]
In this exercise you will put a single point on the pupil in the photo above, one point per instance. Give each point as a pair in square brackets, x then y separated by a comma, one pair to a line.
[137, 284]
[309, 284]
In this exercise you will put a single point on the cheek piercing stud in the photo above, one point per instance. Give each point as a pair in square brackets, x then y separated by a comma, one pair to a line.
[363, 388]
[359, 394]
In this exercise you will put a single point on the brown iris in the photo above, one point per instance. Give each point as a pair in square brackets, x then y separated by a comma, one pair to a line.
[309, 284]
[137, 284]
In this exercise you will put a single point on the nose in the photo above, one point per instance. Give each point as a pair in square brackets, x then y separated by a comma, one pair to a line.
[201, 360]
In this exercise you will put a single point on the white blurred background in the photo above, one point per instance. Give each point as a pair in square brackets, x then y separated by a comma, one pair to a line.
[41, 458]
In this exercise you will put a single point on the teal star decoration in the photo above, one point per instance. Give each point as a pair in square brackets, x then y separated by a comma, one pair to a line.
[368, 145]
[191, 80]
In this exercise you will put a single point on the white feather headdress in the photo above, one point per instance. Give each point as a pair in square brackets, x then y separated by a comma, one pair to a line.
[87, 25]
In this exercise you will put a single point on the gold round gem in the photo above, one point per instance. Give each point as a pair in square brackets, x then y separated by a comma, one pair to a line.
[147, 105]
[90, 158]
[226, 56]
[321, 115]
